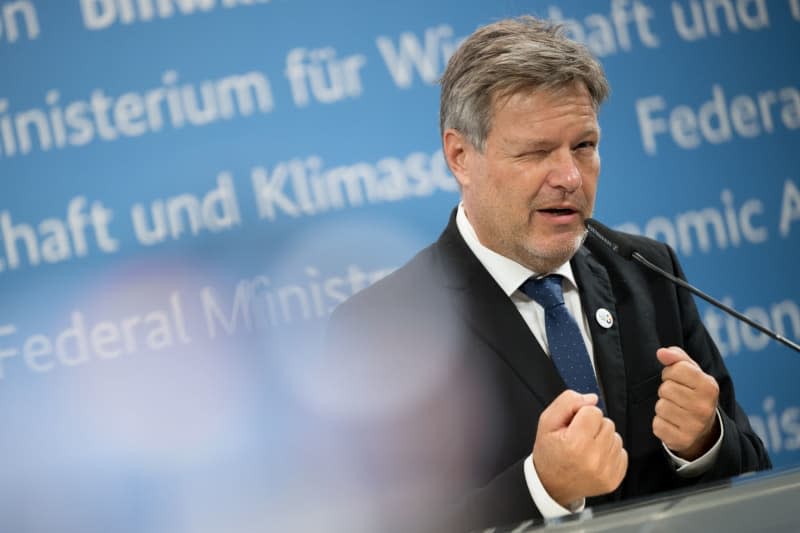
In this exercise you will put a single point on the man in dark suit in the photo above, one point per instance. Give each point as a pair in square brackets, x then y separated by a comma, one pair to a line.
[513, 370]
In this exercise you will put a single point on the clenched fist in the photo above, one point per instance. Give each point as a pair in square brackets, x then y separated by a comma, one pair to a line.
[577, 452]
[686, 410]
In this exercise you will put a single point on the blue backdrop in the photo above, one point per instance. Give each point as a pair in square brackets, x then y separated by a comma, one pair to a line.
[188, 187]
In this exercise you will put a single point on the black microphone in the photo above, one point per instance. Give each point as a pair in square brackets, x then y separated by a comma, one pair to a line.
[625, 249]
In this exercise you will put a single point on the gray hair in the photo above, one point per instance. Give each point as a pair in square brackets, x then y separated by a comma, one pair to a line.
[507, 57]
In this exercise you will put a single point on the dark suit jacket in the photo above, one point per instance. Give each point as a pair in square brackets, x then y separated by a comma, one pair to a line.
[459, 381]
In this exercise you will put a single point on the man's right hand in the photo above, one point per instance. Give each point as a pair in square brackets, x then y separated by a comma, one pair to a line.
[577, 452]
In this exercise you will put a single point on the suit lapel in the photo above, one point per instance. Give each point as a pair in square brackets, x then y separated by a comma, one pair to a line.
[493, 318]
[596, 294]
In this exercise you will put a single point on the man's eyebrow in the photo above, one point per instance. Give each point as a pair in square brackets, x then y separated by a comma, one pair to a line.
[542, 143]
[533, 144]
[592, 131]
[528, 143]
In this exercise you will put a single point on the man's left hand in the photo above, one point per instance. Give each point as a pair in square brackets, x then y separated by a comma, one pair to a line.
[686, 410]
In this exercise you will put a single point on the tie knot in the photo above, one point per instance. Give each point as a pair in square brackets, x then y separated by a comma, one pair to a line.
[545, 291]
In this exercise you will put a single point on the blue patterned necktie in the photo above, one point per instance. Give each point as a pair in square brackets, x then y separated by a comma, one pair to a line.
[567, 349]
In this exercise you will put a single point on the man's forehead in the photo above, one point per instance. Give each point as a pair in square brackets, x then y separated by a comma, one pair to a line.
[581, 117]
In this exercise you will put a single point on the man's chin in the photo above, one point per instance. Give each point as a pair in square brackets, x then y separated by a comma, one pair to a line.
[544, 257]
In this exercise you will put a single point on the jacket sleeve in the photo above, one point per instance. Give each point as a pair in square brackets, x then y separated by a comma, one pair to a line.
[742, 451]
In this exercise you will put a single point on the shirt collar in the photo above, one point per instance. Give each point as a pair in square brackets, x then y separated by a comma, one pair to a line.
[506, 272]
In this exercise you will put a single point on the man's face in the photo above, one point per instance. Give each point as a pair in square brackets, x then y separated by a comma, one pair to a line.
[529, 192]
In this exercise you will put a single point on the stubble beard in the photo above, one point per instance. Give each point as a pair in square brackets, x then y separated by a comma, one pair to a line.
[542, 260]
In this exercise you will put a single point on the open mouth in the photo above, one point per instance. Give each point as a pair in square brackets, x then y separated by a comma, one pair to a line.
[558, 212]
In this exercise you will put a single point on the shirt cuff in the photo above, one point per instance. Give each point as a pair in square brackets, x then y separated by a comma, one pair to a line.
[546, 505]
[702, 464]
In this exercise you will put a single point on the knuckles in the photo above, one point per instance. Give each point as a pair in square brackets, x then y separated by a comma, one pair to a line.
[707, 410]
[686, 372]
[661, 406]
[710, 386]
[591, 412]
[665, 390]
[662, 429]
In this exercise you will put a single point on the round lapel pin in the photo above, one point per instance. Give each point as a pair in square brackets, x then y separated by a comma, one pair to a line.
[604, 318]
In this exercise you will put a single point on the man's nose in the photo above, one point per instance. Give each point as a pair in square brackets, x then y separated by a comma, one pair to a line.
[564, 173]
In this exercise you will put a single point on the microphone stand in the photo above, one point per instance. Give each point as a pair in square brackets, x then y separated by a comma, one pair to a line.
[624, 249]
[639, 258]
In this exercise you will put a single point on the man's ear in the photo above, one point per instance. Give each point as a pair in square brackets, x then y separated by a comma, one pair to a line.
[459, 154]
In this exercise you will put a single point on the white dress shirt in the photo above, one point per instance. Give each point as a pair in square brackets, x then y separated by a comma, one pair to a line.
[509, 275]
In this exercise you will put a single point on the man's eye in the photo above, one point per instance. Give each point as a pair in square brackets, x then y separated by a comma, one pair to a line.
[534, 154]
